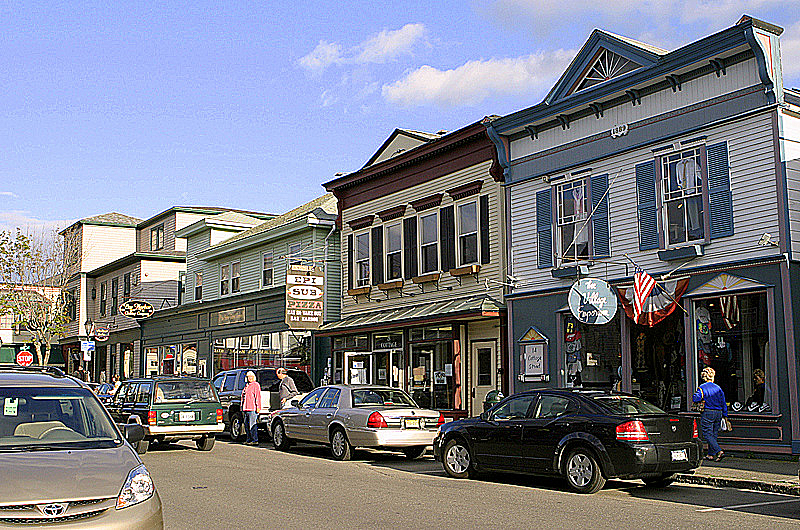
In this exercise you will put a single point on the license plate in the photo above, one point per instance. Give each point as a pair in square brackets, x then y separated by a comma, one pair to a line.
[412, 423]
[679, 455]
[186, 416]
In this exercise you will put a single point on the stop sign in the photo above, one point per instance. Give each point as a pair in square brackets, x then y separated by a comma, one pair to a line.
[24, 358]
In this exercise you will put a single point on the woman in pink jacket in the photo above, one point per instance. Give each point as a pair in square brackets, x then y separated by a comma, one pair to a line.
[251, 406]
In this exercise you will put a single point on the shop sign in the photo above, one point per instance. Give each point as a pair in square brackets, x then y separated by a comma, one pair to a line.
[101, 333]
[227, 316]
[87, 347]
[24, 358]
[305, 295]
[137, 309]
[592, 301]
[619, 130]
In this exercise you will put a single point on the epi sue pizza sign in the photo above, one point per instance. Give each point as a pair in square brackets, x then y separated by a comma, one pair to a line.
[592, 301]
[305, 297]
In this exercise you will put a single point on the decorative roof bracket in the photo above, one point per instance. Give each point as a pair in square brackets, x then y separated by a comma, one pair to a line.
[674, 81]
[597, 108]
[533, 130]
[563, 119]
[719, 66]
[634, 95]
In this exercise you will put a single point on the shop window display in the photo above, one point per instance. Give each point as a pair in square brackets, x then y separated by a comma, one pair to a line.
[290, 350]
[732, 337]
[658, 365]
[593, 354]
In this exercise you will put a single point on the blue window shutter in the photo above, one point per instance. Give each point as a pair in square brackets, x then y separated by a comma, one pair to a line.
[720, 202]
[598, 186]
[544, 227]
[646, 208]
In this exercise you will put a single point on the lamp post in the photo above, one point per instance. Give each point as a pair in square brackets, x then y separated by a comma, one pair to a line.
[88, 326]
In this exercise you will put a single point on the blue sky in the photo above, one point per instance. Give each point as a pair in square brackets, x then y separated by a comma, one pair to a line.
[135, 107]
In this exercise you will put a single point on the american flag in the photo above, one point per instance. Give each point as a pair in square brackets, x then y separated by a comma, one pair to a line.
[643, 285]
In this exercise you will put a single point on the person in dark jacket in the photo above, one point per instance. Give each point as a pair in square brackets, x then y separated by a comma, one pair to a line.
[715, 409]
[287, 388]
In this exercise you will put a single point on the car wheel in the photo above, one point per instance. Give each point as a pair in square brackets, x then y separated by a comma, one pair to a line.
[280, 441]
[457, 459]
[415, 452]
[206, 443]
[141, 446]
[659, 482]
[237, 427]
[340, 446]
[583, 472]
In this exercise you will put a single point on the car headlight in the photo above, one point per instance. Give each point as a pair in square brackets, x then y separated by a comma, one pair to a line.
[138, 488]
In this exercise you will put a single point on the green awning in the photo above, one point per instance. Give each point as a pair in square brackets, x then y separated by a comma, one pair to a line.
[475, 306]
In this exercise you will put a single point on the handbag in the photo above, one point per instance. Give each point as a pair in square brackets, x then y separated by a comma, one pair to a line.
[725, 424]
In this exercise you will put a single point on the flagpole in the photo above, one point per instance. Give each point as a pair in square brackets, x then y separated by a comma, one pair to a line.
[662, 287]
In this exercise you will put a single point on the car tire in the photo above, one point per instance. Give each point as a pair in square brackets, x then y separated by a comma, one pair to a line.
[280, 441]
[412, 453]
[582, 472]
[141, 446]
[206, 443]
[662, 481]
[340, 445]
[237, 427]
[457, 459]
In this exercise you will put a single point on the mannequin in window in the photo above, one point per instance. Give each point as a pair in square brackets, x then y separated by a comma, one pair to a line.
[757, 400]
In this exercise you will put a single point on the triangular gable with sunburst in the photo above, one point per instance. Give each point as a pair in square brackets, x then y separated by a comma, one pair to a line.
[533, 334]
[725, 282]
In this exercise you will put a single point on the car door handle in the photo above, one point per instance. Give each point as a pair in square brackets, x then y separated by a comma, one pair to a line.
[329, 415]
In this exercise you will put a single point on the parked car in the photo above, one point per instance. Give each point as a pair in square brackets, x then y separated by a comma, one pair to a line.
[170, 409]
[586, 437]
[346, 417]
[230, 383]
[105, 392]
[65, 463]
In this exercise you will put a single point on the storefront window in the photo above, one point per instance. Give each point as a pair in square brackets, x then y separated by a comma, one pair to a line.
[732, 337]
[433, 378]
[151, 361]
[658, 366]
[593, 354]
[287, 349]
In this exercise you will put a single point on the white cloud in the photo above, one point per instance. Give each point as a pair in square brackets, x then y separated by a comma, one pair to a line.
[8, 194]
[12, 219]
[475, 81]
[321, 57]
[389, 44]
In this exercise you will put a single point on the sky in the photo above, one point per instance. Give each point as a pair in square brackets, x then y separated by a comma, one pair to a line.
[135, 107]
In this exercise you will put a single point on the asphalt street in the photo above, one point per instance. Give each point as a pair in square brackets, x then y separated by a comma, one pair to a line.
[237, 486]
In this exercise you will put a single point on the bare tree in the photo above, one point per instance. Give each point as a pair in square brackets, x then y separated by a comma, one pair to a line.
[34, 271]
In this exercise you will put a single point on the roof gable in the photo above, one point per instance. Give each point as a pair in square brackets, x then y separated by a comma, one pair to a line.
[400, 141]
[604, 56]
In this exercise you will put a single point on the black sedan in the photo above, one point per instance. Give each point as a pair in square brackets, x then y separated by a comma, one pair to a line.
[585, 436]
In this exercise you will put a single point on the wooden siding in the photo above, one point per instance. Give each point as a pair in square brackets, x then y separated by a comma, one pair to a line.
[143, 232]
[738, 76]
[448, 286]
[104, 244]
[753, 185]
[790, 152]
[182, 220]
[194, 244]
[120, 321]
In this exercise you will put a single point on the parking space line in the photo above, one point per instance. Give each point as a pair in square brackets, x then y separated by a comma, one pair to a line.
[752, 505]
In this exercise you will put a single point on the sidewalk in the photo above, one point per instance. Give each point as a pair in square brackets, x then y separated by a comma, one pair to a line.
[761, 474]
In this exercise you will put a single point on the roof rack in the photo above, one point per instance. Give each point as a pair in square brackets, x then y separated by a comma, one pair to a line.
[33, 368]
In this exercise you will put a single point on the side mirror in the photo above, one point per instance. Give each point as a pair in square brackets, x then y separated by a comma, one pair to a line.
[295, 403]
[484, 416]
[133, 432]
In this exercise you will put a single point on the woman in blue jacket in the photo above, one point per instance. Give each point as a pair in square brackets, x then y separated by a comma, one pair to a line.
[715, 409]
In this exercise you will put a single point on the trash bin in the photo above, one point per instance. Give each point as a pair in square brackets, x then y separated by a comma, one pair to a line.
[492, 397]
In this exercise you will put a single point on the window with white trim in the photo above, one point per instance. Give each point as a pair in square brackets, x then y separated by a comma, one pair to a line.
[362, 259]
[429, 242]
[294, 254]
[572, 236]
[394, 252]
[224, 279]
[103, 298]
[266, 269]
[468, 233]
[157, 237]
[198, 285]
[683, 213]
[235, 267]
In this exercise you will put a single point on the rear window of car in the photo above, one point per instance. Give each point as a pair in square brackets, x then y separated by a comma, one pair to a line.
[301, 381]
[366, 397]
[627, 405]
[183, 391]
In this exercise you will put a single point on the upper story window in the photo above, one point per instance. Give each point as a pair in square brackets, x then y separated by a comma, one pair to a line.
[362, 259]
[224, 279]
[394, 252]
[266, 269]
[198, 285]
[157, 237]
[235, 277]
[114, 295]
[468, 233]
[103, 298]
[126, 286]
[71, 305]
[572, 238]
[429, 242]
[682, 197]
[294, 254]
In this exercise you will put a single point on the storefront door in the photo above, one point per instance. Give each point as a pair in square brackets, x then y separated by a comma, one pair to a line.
[358, 367]
[483, 373]
[388, 368]
[421, 377]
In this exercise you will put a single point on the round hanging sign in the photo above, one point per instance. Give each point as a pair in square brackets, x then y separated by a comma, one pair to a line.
[592, 301]
[137, 309]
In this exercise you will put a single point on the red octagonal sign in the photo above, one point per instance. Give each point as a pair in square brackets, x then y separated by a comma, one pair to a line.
[24, 358]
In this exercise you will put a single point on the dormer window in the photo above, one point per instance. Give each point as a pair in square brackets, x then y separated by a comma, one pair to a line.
[607, 66]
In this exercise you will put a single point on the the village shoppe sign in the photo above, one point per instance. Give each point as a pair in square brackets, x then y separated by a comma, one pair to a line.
[137, 309]
[305, 294]
[592, 301]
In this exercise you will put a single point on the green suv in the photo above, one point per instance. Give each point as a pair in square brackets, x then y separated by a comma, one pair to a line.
[170, 409]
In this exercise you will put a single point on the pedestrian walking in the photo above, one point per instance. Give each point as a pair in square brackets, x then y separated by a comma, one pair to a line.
[251, 406]
[715, 408]
[287, 388]
[117, 383]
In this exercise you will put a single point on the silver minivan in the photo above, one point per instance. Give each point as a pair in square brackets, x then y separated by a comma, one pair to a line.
[63, 462]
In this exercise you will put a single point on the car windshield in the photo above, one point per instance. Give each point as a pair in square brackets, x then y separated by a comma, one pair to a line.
[628, 405]
[365, 397]
[182, 391]
[41, 419]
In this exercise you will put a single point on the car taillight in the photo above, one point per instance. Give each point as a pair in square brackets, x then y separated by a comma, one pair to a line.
[151, 417]
[376, 421]
[695, 434]
[219, 415]
[441, 420]
[632, 431]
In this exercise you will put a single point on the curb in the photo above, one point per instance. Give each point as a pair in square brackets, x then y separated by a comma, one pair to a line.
[723, 482]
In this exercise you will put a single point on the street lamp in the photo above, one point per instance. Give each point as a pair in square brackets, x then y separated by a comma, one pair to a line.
[88, 326]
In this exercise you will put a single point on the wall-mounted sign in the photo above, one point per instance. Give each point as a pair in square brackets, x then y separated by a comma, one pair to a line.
[101, 332]
[227, 316]
[592, 301]
[619, 130]
[305, 295]
[137, 309]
